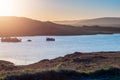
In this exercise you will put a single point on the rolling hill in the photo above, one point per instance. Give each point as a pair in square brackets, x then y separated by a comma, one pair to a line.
[105, 21]
[21, 26]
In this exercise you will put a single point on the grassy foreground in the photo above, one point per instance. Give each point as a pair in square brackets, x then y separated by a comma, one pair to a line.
[110, 74]
[76, 66]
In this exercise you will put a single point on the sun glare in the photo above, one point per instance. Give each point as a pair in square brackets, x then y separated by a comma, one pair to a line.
[6, 7]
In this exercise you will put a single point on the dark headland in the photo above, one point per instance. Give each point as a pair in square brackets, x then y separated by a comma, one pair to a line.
[21, 26]
[75, 66]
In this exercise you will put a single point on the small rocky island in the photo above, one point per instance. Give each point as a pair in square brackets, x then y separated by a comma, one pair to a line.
[50, 39]
[10, 39]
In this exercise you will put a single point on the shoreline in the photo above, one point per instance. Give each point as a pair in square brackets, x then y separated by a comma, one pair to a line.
[64, 35]
[96, 64]
[80, 60]
[91, 53]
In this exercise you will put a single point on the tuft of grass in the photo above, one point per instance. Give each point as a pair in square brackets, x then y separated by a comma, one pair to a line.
[58, 67]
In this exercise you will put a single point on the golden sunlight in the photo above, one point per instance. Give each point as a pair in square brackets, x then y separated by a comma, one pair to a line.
[6, 7]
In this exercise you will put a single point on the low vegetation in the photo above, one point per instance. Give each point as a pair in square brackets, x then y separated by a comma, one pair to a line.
[83, 62]
[110, 74]
[76, 66]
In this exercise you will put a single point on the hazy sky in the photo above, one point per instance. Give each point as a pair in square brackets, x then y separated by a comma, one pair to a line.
[60, 9]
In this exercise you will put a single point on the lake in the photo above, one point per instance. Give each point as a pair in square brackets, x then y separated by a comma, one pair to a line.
[30, 52]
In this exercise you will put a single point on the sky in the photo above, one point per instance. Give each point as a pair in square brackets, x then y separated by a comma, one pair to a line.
[58, 10]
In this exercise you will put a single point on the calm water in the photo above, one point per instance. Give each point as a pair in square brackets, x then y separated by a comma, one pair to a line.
[30, 52]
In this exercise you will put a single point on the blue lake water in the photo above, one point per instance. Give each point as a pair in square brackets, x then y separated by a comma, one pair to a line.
[30, 52]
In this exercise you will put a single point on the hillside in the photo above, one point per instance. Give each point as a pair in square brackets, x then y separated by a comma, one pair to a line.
[83, 62]
[76, 64]
[105, 21]
[21, 26]
[80, 61]
[109, 74]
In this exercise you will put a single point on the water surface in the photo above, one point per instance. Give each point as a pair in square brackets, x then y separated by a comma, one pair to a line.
[30, 52]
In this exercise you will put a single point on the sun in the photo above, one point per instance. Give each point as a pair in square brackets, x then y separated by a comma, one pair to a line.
[6, 7]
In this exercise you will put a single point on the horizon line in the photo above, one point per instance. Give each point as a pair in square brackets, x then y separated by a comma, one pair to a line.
[61, 20]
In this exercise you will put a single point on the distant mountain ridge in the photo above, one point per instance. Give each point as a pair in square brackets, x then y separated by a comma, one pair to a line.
[21, 26]
[105, 21]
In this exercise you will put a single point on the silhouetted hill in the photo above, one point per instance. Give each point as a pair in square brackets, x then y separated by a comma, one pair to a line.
[12, 26]
[21, 26]
[105, 21]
